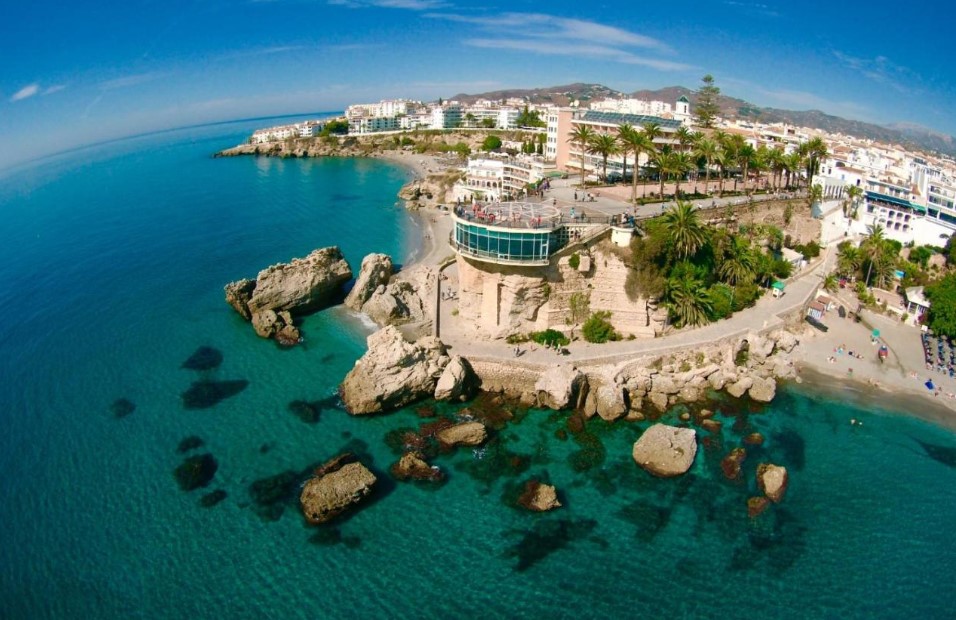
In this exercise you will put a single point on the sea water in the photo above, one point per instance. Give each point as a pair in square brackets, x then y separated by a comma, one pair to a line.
[113, 260]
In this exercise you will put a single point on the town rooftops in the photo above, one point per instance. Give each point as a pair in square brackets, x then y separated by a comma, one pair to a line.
[616, 118]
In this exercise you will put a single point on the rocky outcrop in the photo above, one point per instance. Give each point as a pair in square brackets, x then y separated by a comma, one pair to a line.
[376, 271]
[763, 389]
[337, 485]
[393, 372]
[285, 291]
[666, 451]
[464, 434]
[756, 506]
[412, 466]
[609, 401]
[772, 480]
[559, 387]
[458, 381]
[538, 497]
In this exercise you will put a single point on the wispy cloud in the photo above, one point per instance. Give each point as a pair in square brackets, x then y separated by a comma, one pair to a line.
[562, 36]
[49, 90]
[262, 51]
[132, 80]
[880, 69]
[413, 5]
[753, 8]
[26, 92]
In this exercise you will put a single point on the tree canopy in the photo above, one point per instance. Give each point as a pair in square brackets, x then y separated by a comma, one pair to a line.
[942, 312]
[491, 143]
[529, 118]
[707, 109]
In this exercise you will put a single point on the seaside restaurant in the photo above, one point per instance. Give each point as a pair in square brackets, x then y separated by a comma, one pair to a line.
[511, 233]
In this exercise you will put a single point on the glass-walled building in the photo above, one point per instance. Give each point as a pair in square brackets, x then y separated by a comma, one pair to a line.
[507, 233]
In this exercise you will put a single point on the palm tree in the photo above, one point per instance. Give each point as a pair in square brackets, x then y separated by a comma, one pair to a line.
[640, 143]
[582, 134]
[760, 163]
[775, 162]
[685, 137]
[625, 143]
[721, 158]
[652, 130]
[604, 144]
[738, 265]
[873, 247]
[683, 230]
[734, 146]
[707, 149]
[660, 160]
[792, 163]
[679, 165]
[814, 194]
[830, 283]
[849, 259]
[815, 151]
[852, 201]
[688, 301]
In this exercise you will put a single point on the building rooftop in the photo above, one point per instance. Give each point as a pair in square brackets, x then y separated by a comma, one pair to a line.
[616, 118]
[523, 215]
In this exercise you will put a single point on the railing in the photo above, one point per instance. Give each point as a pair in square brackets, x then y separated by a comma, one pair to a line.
[495, 257]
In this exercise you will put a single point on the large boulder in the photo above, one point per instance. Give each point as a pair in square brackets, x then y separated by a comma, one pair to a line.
[772, 480]
[666, 451]
[336, 486]
[559, 386]
[284, 291]
[397, 303]
[610, 402]
[538, 497]
[763, 389]
[457, 382]
[376, 271]
[784, 340]
[393, 372]
[740, 387]
[464, 434]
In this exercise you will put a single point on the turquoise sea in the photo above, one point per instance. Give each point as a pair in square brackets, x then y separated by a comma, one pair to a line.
[113, 260]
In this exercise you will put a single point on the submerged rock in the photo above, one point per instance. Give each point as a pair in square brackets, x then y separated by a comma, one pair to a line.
[190, 443]
[465, 434]
[754, 439]
[211, 499]
[308, 412]
[756, 505]
[204, 358]
[538, 497]
[772, 480]
[666, 451]
[206, 394]
[196, 471]
[731, 463]
[122, 407]
[338, 485]
[412, 466]
[393, 372]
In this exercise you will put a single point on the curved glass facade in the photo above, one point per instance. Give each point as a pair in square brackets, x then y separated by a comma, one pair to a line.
[504, 245]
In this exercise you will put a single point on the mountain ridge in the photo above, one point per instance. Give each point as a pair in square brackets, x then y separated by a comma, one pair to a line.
[910, 135]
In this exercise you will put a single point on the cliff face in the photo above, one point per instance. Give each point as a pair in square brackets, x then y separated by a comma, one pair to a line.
[499, 300]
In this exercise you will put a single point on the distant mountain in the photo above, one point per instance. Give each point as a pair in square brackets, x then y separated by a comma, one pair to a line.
[906, 134]
[557, 95]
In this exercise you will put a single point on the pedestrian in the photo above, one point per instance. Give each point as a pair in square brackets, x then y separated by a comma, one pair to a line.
[575, 195]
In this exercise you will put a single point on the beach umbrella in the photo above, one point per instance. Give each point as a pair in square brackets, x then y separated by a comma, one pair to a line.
[876, 333]
[929, 384]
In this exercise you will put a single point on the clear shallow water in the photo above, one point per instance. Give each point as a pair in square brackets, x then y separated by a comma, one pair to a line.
[113, 262]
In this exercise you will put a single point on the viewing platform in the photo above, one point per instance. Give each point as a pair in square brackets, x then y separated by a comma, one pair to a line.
[507, 233]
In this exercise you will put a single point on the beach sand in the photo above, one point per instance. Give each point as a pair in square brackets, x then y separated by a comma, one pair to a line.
[897, 384]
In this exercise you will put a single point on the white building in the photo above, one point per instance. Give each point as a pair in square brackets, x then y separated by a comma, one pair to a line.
[446, 116]
[500, 177]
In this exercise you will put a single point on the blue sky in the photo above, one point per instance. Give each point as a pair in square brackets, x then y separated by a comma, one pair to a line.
[80, 72]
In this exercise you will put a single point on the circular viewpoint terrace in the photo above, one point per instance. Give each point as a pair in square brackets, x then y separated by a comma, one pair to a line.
[510, 233]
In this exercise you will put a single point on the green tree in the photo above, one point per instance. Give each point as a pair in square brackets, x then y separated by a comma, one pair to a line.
[679, 164]
[639, 142]
[849, 259]
[851, 201]
[707, 108]
[942, 311]
[491, 143]
[625, 146]
[688, 301]
[813, 152]
[708, 150]
[529, 118]
[582, 135]
[605, 145]
[683, 230]
[598, 328]
[738, 264]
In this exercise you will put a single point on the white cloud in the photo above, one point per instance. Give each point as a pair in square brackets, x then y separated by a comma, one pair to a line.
[132, 80]
[414, 5]
[880, 69]
[560, 36]
[53, 89]
[26, 92]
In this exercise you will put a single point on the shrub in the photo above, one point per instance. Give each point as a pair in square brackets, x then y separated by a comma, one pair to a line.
[491, 143]
[517, 339]
[550, 337]
[781, 268]
[574, 261]
[598, 329]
